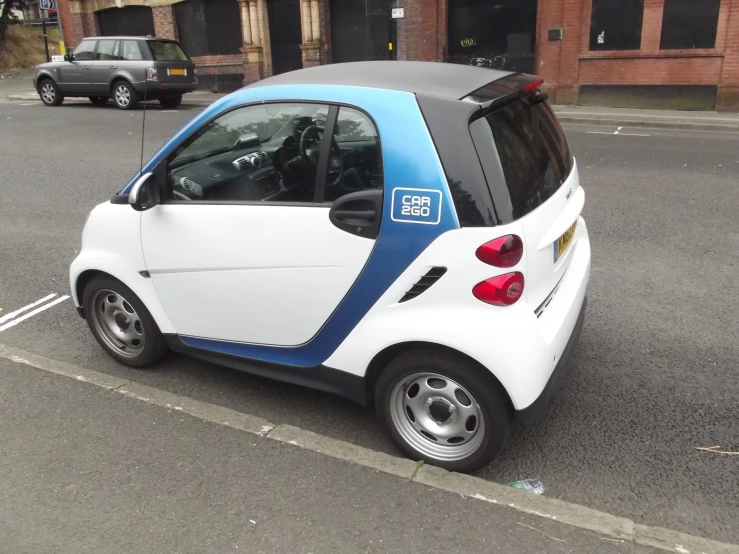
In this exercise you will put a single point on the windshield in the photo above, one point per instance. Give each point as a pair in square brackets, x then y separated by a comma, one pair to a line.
[166, 51]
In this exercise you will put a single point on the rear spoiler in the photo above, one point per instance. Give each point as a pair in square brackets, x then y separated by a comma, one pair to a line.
[504, 91]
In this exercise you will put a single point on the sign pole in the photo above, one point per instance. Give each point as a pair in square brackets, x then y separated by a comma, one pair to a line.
[46, 40]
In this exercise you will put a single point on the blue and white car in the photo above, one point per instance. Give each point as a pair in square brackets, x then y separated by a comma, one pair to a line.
[430, 256]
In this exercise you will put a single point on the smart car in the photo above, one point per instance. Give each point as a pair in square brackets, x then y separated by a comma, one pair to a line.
[127, 69]
[407, 233]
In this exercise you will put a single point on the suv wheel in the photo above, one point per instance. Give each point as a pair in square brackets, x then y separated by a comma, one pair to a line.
[444, 409]
[171, 101]
[50, 93]
[99, 100]
[121, 323]
[124, 96]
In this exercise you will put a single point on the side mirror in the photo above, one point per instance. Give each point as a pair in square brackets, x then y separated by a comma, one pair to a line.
[144, 193]
[68, 57]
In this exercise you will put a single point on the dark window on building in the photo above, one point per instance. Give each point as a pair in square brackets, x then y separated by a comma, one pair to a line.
[616, 25]
[498, 34]
[132, 21]
[689, 24]
[208, 28]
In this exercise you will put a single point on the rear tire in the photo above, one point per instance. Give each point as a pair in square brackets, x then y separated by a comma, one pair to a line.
[125, 96]
[99, 100]
[440, 407]
[50, 93]
[171, 101]
[121, 323]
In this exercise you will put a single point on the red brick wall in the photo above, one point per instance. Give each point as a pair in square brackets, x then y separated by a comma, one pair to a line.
[728, 92]
[702, 70]
[164, 22]
[71, 24]
[422, 32]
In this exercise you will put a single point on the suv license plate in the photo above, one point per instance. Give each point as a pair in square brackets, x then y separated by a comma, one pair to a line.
[177, 72]
[561, 244]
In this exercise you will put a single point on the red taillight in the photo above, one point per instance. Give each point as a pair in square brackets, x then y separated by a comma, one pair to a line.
[532, 86]
[502, 290]
[504, 251]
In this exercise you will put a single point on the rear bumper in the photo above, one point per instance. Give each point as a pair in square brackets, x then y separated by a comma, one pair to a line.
[155, 89]
[541, 405]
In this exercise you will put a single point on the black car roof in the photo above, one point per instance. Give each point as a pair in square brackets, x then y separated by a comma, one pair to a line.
[445, 80]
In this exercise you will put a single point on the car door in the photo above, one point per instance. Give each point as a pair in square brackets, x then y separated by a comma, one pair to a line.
[245, 246]
[75, 75]
[104, 66]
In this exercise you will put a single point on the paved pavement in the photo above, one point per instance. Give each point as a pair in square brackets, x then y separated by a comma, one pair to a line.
[655, 373]
[83, 470]
[675, 119]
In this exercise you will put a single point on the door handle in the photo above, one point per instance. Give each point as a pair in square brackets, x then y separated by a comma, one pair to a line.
[112, 66]
[367, 215]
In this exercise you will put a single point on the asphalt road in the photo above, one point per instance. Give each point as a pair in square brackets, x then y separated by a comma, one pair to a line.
[86, 470]
[656, 373]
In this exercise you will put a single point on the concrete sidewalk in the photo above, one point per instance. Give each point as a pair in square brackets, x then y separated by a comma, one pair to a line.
[85, 470]
[673, 119]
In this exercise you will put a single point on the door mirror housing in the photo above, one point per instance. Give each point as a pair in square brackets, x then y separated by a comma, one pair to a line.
[144, 194]
[68, 57]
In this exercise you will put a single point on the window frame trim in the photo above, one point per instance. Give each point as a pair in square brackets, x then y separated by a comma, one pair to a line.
[162, 169]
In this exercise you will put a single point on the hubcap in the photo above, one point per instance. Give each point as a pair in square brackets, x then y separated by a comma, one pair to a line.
[437, 416]
[48, 93]
[117, 323]
[122, 95]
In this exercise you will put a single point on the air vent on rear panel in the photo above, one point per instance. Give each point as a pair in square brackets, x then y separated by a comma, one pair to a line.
[423, 284]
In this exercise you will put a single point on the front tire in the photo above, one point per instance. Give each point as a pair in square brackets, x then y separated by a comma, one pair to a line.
[50, 93]
[171, 101]
[99, 100]
[125, 96]
[121, 323]
[443, 408]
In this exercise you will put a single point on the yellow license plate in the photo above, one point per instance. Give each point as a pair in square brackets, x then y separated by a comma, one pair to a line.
[176, 71]
[561, 244]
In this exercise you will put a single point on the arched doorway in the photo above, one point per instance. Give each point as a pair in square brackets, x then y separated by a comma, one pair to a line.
[285, 35]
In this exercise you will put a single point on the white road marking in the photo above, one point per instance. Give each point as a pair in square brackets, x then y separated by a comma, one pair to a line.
[11, 315]
[616, 132]
[33, 313]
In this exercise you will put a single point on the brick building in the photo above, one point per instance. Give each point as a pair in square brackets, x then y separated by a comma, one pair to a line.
[661, 53]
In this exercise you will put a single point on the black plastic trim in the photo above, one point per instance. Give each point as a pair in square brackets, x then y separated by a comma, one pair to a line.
[325, 153]
[119, 199]
[541, 405]
[320, 377]
[424, 283]
[448, 122]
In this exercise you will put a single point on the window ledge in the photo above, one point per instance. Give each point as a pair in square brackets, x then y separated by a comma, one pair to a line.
[628, 54]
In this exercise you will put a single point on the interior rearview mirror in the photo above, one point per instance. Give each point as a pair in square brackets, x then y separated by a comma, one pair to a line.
[144, 194]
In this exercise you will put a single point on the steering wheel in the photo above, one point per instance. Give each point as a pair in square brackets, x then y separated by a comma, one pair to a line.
[310, 149]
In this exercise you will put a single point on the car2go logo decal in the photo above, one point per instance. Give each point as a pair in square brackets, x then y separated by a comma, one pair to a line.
[416, 206]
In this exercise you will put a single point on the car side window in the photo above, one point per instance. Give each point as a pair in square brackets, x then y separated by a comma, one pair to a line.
[85, 51]
[106, 50]
[131, 50]
[361, 158]
[262, 153]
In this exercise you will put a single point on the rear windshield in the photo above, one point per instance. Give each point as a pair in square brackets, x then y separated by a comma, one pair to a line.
[533, 152]
[165, 51]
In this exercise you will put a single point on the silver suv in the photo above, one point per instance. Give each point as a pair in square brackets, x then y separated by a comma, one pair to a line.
[127, 69]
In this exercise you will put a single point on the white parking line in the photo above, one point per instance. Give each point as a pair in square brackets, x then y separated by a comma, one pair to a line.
[11, 315]
[616, 132]
[15, 322]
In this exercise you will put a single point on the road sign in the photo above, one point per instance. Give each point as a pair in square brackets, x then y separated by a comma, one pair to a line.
[46, 5]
